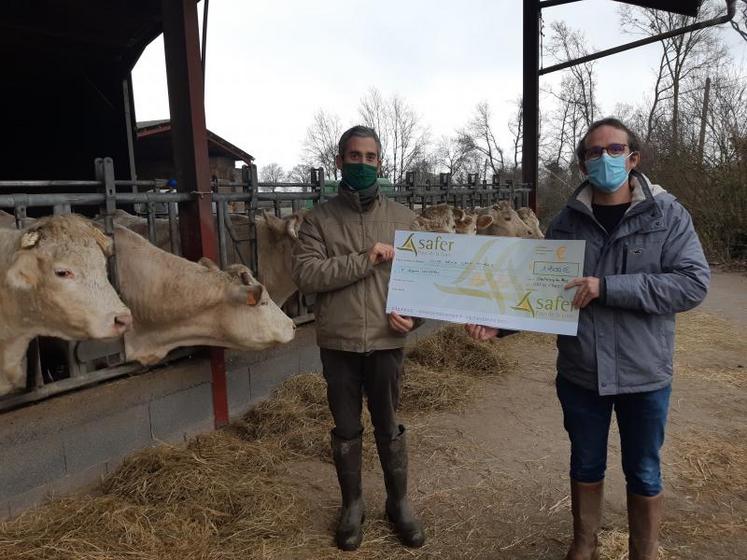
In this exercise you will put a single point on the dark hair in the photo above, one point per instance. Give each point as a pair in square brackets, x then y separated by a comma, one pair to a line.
[634, 144]
[360, 131]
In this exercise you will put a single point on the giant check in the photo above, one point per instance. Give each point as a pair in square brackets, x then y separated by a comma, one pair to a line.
[503, 282]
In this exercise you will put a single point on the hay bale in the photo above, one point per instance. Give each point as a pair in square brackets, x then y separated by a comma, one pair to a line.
[429, 390]
[94, 528]
[224, 484]
[207, 468]
[452, 350]
[296, 417]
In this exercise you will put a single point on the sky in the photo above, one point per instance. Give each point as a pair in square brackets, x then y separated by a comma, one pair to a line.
[271, 64]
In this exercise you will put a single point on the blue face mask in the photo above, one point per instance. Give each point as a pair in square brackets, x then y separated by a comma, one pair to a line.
[607, 173]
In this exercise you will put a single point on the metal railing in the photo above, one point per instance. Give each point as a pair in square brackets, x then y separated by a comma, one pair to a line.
[90, 362]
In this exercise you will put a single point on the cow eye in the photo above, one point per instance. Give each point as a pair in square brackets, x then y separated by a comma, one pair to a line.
[63, 273]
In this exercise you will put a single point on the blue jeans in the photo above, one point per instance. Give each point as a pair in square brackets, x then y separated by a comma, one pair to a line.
[641, 418]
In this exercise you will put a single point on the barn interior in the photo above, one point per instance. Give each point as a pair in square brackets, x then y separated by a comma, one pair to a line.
[66, 82]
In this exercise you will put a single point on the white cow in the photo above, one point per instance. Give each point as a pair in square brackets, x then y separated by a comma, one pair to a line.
[275, 240]
[528, 216]
[444, 218]
[176, 302]
[53, 282]
[506, 222]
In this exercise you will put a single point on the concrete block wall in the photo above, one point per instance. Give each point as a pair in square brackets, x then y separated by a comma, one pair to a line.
[68, 443]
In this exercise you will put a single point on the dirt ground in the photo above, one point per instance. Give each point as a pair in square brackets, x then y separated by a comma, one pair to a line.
[491, 482]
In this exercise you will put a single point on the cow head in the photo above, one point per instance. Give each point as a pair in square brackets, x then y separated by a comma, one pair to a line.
[248, 319]
[59, 269]
[421, 223]
[465, 223]
[284, 227]
[505, 222]
[528, 216]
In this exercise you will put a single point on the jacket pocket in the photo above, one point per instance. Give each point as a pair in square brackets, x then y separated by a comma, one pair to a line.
[321, 308]
[666, 336]
[578, 353]
[642, 358]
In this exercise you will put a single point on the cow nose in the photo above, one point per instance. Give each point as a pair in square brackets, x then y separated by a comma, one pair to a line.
[123, 321]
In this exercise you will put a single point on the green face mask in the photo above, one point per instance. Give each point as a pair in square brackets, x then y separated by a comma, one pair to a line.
[359, 176]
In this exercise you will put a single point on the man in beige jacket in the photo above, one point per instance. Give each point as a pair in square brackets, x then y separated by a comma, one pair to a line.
[344, 257]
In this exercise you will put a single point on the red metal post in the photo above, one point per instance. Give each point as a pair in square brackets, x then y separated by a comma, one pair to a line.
[189, 138]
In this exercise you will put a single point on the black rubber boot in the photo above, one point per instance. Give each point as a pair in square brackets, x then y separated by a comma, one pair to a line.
[393, 456]
[347, 456]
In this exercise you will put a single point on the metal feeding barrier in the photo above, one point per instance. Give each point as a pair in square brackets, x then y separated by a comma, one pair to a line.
[56, 366]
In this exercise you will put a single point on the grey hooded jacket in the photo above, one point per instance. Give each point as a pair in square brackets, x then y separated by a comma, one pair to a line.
[651, 267]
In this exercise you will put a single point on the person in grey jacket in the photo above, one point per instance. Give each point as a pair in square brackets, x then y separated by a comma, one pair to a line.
[643, 263]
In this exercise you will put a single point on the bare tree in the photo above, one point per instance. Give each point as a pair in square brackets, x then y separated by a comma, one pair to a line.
[320, 145]
[408, 137]
[565, 44]
[272, 173]
[684, 59]
[403, 137]
[300, 173]
[451, 155]
[479, 136]
[566, 125]
[576, 98]
[517, 133]
[374, 112]
[741, 27]
[726, 117]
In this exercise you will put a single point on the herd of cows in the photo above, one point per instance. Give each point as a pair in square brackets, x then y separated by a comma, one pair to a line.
[54, 282]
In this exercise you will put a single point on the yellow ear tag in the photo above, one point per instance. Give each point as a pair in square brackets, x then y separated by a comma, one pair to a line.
[250, 299]
[29, 239]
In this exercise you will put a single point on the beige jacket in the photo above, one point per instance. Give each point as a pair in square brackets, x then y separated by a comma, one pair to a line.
[331, 261]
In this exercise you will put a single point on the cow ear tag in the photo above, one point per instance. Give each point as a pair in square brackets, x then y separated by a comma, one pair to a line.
[29, 239]
[253, 295]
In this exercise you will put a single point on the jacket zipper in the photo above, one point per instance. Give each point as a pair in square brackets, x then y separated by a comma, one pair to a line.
[365, 295]
[625, 259]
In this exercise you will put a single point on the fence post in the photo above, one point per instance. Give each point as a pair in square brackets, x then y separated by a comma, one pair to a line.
[20, 215]
[34, 375]
[104, 171]
[221, 208]
[472, 186]
[173, 228]
[512, 196]
[317, 182]
[444, 180]
[410, 184]
[251, 185]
